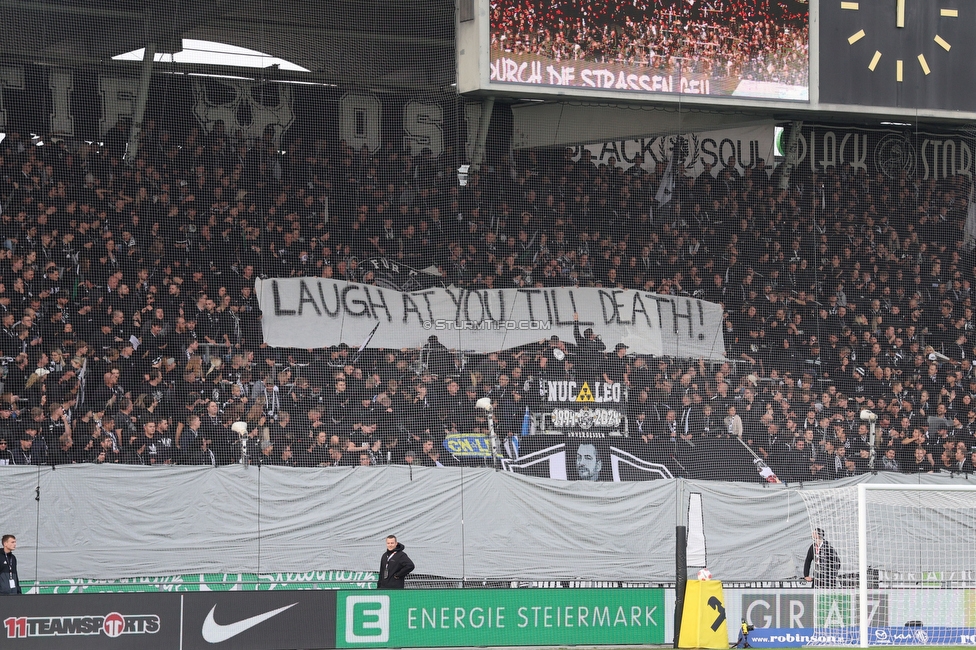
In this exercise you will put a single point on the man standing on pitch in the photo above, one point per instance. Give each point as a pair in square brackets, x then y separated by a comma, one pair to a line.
[9, 580]
[823, 560]
[394, 565]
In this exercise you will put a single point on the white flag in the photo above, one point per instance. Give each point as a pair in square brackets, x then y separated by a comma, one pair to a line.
[666, 188]
[969, 231]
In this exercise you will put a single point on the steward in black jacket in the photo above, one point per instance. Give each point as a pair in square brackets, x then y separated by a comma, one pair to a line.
[9, 580]
[394, 566]
[823, 559]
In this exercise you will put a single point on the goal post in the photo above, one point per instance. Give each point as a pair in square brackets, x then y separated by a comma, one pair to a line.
[903, 568]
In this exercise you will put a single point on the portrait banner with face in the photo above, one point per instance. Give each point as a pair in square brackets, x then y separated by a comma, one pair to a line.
[583, 459]
[594, 456]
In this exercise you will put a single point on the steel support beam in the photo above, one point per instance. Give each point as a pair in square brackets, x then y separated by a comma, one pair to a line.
[478, 153]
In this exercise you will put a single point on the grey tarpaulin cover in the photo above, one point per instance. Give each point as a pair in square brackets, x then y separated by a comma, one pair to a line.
[111, 522]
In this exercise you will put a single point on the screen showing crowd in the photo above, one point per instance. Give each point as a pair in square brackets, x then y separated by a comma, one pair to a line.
[745, 48]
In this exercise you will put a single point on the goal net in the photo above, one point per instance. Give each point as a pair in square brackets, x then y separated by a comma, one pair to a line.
[894, 564]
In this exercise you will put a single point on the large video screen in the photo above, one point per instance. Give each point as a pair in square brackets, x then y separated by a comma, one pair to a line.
[742, 48]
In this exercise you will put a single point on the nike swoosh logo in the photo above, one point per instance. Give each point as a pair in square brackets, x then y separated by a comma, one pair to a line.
[214, 632]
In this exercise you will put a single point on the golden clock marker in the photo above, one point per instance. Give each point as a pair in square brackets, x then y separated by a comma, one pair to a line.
[924, 64]
[899, 22]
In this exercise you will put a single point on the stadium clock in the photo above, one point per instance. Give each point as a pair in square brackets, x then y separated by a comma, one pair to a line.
[884, 50]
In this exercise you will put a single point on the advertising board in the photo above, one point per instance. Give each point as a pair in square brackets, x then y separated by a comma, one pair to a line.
[167, 621]
[493, 617]
[96, 621]
[804, 617]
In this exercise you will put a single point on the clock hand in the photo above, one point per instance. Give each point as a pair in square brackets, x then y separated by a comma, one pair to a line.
[900, 19]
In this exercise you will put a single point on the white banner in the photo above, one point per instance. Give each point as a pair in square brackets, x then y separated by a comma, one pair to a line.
[744, 145]
[316, 313]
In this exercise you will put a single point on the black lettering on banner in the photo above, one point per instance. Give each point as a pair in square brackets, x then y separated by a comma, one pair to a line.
[358, 302]
[637, 307]
[658, 301]
[686, 315]
[410, 307]
[623, 150]
[721, 150]
[717, 605]
[617, 307]
[709, 154]
[277, 301]
[486, 304]
[572, 301]
[304, 295]
[457, 303]
[545, 294]
[609, 146]
[603, 306]
[467, 306]
[325, 305]
[753, 153]
[382, 303]
[650, 153]
[426, 297]
[555, 308]
[647, 150]
[528, 300]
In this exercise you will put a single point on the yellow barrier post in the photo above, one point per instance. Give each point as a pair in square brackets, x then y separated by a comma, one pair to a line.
[703, 623]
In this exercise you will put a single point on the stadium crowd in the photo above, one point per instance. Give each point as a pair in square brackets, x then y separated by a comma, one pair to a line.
[738, 39]
[130, 331]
